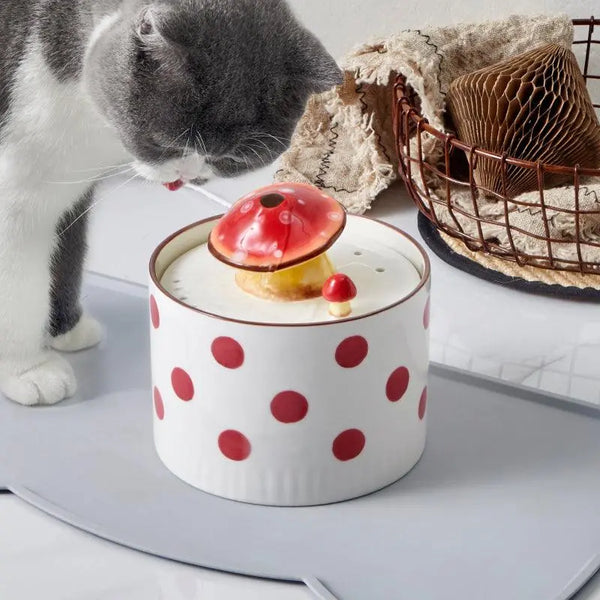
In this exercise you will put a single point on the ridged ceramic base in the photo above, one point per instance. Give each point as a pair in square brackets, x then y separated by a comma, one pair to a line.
[293, 486]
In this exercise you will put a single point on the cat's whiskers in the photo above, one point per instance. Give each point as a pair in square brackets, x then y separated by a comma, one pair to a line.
[93, 204]
[93, 179]
[173, 142]
[87, 210]
[239, 158]
[187, 142]
[271, 153]
[283, 142]
[104, 168]
[260, 158]
[134, 176]
[200, 139]
[270, 156]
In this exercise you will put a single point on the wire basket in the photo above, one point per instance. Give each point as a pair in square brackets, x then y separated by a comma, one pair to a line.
[453, 172]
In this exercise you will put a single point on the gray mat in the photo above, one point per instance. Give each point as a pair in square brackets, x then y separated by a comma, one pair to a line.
[504, 503]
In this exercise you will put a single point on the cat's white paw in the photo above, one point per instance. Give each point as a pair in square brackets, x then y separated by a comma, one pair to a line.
[87, 333]
[48, 382]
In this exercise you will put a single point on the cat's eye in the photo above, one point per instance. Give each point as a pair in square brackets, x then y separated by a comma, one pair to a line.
[140, 56]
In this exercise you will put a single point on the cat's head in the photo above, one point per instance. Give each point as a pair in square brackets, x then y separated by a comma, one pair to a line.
[201, 87]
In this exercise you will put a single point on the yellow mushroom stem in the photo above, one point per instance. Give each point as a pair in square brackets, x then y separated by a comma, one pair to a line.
[300, 282]
[340, 309]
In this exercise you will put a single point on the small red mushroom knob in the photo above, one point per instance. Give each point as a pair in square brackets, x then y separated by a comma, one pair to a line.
[338, 290]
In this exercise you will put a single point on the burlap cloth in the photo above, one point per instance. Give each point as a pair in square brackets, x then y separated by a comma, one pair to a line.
[345, 145]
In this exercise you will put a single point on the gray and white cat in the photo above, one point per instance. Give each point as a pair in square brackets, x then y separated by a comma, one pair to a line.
[182, 88]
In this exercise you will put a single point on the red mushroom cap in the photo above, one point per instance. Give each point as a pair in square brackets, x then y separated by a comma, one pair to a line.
[276, 227]
[339, 288]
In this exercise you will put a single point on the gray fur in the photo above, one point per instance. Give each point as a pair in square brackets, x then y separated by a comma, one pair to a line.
[67, 267]
[16, 22]
[63, 28]
[226, 78]
[213, 75]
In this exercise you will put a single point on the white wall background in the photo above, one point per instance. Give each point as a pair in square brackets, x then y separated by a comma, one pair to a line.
[342, 24]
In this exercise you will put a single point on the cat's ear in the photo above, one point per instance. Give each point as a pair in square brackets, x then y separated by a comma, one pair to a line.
[151, 32]
[148, 28]
[319, 69]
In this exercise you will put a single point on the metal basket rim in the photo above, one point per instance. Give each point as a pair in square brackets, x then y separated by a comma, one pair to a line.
[407, 109]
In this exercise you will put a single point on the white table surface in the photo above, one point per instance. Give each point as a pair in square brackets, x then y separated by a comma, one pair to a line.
[540, 342]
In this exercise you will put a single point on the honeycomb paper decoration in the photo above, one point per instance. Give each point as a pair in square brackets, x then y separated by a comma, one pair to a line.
[534, 107]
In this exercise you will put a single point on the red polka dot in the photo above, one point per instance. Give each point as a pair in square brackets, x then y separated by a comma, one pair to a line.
[423, 404]
[427, 314]
[228, 353]
[351, 352]
[182, 384]
[349, 444]
[234, 445]
[154, 314]
[159, 406]
[397, 384]
[289, 407]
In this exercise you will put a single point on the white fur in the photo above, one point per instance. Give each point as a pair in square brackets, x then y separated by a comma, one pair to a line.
[54, 140]
[190, 167]
[101, 28]
[86, 334]
[47, 382]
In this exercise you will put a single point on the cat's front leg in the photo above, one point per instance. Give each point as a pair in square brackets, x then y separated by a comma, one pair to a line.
[71, 329]
[30, 373]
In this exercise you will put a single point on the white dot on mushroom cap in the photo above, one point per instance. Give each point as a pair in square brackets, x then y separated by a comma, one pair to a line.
[334, 216]
[324, 234]
[247, 207]
[278, 254]
[287, 190]
[240, 255]
[300, 201]
[285, 217]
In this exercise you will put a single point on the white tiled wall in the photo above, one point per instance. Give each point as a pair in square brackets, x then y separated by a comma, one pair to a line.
[575, 372]
[342, 23]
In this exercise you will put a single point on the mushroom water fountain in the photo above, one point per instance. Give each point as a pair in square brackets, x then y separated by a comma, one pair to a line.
[289, 350]
[277, 238]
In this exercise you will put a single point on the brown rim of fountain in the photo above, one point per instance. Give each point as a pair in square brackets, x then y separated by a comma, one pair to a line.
[286, 265]
[424, 279]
